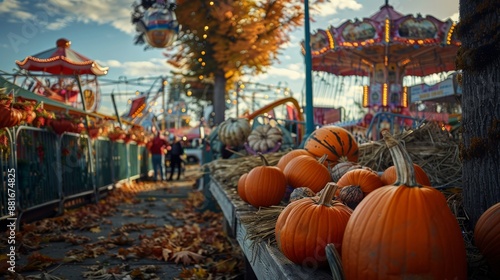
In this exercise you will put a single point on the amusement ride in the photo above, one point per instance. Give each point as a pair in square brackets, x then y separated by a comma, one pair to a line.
[385, 51]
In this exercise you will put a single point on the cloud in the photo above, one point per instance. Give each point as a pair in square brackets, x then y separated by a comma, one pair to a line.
[7, 6]
[57, 14]
[455, 17]
[141, 68]
[113, 63]
[292, 72]
[332, 7]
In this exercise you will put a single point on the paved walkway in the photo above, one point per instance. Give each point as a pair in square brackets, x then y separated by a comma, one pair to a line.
[142, 230]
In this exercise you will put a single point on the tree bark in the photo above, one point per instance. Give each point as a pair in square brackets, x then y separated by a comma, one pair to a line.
[219, 98]
[480, 147]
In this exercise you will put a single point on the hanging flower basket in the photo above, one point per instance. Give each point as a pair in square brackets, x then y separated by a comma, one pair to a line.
[117, 134]
[66, 123]
[94, 132]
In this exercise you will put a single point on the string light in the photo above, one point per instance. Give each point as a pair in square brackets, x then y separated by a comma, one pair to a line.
[385, 95]
[404, 99]
[387, 30]
[366, 93]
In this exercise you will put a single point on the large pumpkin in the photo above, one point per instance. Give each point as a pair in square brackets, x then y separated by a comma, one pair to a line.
[286, 158]
[334, 141]
[307, 171]
[234, 131]
[403, 231]
[307, 225]
[388, 177]
[265, 185]
[487, 237]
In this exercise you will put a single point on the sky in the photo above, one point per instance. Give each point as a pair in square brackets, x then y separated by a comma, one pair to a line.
[102, 30]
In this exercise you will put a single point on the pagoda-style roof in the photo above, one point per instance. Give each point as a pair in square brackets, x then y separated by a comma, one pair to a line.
[62, 60]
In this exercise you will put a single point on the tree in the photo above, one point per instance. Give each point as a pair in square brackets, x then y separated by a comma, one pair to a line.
[223, 40]
[479, 32]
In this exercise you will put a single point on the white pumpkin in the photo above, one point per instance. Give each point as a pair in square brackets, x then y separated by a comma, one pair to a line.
[264, 138]
[234, 131]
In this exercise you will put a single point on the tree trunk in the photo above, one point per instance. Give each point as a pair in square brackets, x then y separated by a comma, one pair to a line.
[219, 98]
[480, 149]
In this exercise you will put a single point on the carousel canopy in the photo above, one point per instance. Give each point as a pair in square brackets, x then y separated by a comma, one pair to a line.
[419, 45]
[62, 60]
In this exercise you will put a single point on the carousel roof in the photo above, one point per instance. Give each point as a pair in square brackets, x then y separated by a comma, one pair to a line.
[62, 60]
[423, 45]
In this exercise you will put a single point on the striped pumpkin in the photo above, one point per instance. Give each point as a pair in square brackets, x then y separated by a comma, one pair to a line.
[334, 141]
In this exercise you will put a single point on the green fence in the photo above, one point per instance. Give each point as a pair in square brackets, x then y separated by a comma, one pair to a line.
[51, 170]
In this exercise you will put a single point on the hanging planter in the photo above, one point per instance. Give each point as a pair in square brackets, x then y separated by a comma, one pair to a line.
[117, 134]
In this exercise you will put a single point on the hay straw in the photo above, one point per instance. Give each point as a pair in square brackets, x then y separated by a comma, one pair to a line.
[260, 225]
[228, 171]
[429, 146]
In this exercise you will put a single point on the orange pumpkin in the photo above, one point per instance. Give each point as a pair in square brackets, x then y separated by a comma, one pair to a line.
[241, 187]
[286, 158]
[334, 141]
[307, 225]
[486, 237]
[265, 185]
[307, 171]
[388, 177]
[366, 179]
[403, 231]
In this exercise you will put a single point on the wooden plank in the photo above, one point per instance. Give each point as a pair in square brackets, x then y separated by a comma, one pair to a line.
[227, 207]
[268, 262]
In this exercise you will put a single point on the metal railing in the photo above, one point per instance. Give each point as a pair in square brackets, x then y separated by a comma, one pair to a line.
[52, 171]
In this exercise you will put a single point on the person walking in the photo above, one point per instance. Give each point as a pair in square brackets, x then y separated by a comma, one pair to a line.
[175, 158]
[157, 148]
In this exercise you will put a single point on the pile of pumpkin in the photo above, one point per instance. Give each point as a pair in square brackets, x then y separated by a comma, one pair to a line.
[19, 111]
[364, 224]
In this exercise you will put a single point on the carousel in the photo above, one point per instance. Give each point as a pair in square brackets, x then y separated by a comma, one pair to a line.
[386, 48]
[63, 75]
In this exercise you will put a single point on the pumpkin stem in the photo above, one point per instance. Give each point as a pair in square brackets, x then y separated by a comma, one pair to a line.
[323, 158]
[334, 261]
[327, 194]
[263, 158]
[405, 173]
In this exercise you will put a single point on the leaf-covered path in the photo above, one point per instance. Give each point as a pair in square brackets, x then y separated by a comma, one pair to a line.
[139, 231]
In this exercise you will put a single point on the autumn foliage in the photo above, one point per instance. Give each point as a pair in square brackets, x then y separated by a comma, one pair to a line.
[222, 40]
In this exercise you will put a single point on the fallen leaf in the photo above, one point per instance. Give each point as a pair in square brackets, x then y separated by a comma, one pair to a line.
[187, 257]
[95, 229]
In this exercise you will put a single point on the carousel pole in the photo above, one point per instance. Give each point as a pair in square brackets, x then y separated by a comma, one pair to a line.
[308, 63]
[82, 96]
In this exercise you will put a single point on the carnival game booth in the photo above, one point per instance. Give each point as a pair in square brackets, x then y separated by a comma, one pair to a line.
[64, 152]
[388, 48]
